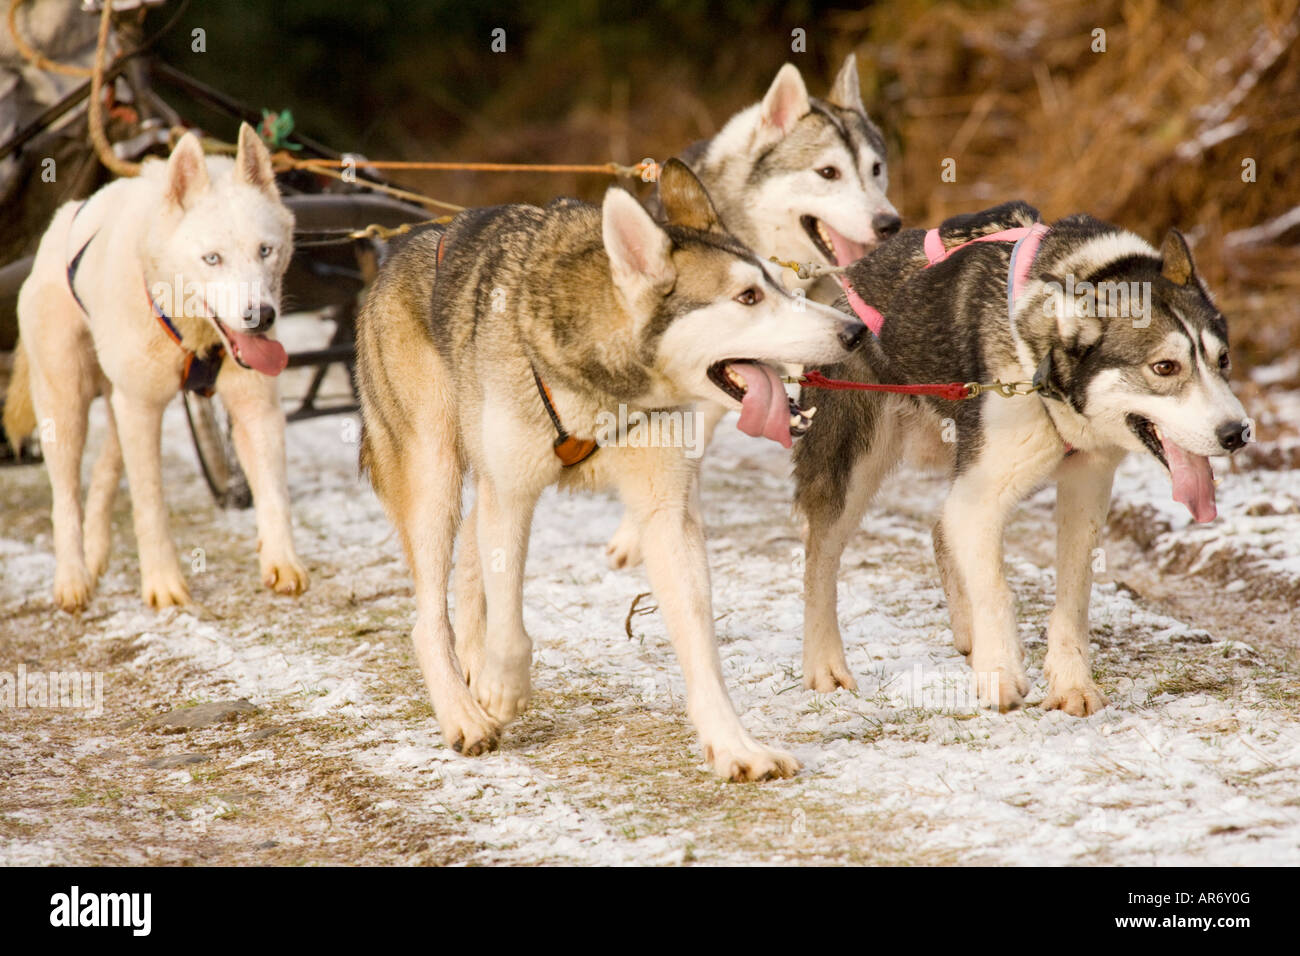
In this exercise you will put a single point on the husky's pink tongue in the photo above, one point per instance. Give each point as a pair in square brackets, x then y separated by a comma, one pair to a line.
[1193, 481]
[765, 409]
[846, 250]
[258, 352]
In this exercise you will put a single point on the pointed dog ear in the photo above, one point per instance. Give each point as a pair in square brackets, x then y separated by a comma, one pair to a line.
[1177, 267]
[253, 161]
[685, 200]
[785, 103]
[187, 171]
[846, 91]
[639, 250]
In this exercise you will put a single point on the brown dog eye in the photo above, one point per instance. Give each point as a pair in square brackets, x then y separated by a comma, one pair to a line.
[750, 297]
[1224, 361]
[1166, 368]
[828, 172]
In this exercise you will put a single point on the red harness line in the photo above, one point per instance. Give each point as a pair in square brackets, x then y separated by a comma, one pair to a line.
[1018, 271]
[952, 391]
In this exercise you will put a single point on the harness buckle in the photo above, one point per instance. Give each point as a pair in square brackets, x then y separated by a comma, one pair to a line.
[1005, 389]
[1013, 389]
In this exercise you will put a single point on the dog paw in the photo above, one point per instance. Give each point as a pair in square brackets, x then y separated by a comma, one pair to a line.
[285, 576]
[468, 730]
[1003, 686]
[72, 588]
[161, 589]
[1078, 700]
[825, 676]
[624, 549]
[502, 692]
[750, 762]
[961, 640]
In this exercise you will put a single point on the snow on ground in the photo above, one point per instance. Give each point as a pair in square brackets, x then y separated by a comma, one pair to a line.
[1195, 761]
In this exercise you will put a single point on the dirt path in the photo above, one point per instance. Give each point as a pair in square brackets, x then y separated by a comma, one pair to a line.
[1195, 761]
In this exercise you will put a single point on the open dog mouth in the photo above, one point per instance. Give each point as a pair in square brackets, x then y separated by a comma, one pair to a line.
[253, 350]
[1191, 474]
[765, 408]
[838, 250]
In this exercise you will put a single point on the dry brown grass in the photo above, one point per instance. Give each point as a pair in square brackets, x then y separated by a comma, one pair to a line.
[1015, 94]
[1152, 133]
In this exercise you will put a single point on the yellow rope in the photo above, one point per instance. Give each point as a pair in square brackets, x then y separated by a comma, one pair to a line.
[95, 120]
[648, 169]
[376, 231]
[34, 56]
[289, 162]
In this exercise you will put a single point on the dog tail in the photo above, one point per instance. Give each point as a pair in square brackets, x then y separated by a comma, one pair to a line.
[967, 226]
[19, 412]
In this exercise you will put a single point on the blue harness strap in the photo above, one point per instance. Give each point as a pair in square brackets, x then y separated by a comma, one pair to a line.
[72, 270]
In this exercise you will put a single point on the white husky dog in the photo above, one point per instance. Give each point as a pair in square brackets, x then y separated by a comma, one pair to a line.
[166, 281]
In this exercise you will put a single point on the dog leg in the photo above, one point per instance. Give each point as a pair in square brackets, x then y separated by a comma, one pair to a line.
[505, 514]
[420, 486]
[974, 519]
[827, 533]
[959, 608]
[658, 495]
[624, 548]
[99, 500]
[1082, 500]
[62, 407]
[412, 448]
[471, 603]
[252, 399]
[139, 425]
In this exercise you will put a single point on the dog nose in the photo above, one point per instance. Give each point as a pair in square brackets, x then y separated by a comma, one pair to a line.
[1232, 435]
[852, 335]
[265, 318]
[886, 224]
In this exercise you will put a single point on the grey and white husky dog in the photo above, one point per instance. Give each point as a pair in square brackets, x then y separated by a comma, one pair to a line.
[1129, 354]
[497, 347]
[799, 178]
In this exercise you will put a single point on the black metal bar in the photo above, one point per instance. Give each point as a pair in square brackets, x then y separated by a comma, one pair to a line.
[303, 414]
[335, 353]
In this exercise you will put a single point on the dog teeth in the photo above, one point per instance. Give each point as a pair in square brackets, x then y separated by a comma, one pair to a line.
[824, 235]
[800, 419]
[735, 378]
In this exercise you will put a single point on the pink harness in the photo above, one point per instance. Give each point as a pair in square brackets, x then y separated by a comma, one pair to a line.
[1026, 239]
